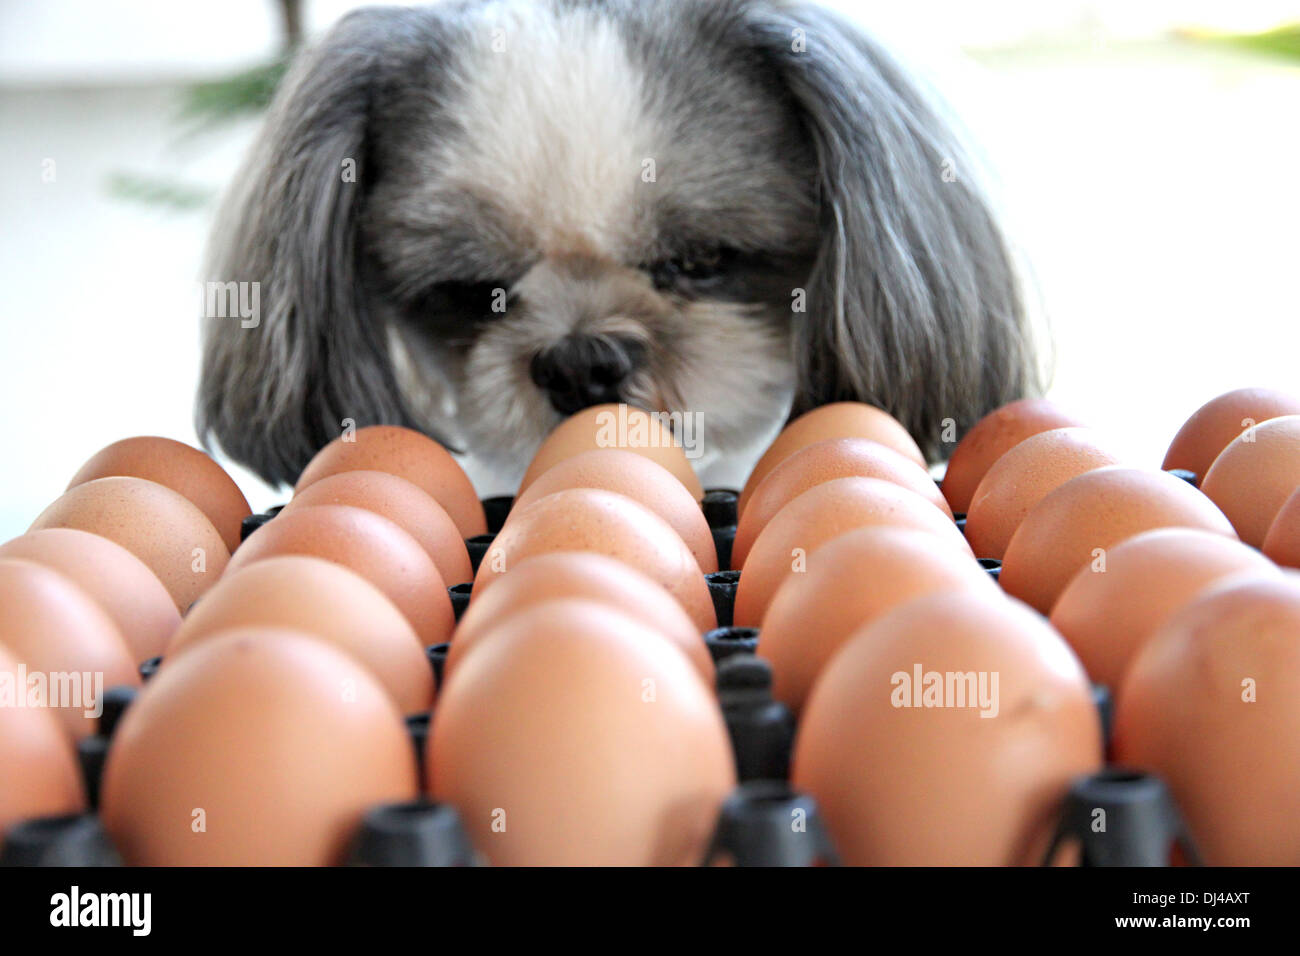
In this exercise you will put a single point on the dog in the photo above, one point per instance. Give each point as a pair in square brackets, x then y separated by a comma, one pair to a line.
[478, 217]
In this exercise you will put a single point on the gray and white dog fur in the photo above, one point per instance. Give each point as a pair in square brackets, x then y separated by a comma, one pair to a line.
[736, 208]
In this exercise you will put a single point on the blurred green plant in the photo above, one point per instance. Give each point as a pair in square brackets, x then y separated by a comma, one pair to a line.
[1283, 41]
[208, 105]
[234, 97]
[203, 108]
[175, 195]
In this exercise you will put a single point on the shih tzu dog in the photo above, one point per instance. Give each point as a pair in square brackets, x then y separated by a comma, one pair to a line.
[478, 217]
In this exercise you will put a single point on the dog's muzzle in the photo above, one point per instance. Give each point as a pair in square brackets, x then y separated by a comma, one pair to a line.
[584, 370]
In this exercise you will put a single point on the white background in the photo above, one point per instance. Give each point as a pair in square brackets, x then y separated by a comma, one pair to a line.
[1152, 184]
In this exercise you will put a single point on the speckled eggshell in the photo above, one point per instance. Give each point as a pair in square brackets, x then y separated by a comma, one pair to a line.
[407, 454]
[262, 747]
[1085, 517]
[590, 519]
[575, 735]
[55, 628]
[825, 512]
[1212, 705]
[580, 574]
[641, 479]
[993, 436]
[614, 426]
[944, 785]
[1024, 476]
[411, 508]
[180, 467]
[825, 461]
[1216, 423]
[321, 598]
[159, 526]
[1254, 476]
[369, 544]
[1107, 612]
[42, 778]
[836, 420]
[120, 582]
[851, 581]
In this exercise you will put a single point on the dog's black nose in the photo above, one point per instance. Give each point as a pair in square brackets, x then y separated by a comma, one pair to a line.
[584, 370]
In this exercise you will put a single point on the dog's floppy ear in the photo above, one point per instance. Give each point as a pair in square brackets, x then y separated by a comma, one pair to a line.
[273, 392]
[913, 303]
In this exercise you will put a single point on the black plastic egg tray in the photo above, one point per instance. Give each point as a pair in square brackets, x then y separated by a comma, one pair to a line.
[753, 827]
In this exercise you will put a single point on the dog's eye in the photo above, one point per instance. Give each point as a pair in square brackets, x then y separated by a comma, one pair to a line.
[699, 266]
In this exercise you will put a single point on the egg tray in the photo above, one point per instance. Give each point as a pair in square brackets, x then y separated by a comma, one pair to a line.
[753, 827]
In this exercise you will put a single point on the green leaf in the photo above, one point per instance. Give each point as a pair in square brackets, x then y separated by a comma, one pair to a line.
[236, 96]
[156, 191]
[1283, 41]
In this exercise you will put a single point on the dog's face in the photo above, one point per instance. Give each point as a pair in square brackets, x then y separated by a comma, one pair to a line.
[480, 217]
[589, 216]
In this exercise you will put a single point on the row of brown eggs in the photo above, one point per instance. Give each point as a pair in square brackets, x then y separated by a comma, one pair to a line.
[865, 592]
[580, 659]
[847, 547]
[96, 587]
[1158, 587]
[571, 739]
[100, 584]
[360, 557]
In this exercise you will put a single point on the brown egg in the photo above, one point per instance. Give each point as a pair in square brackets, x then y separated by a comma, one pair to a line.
[407, 454]
[159, 526]
[580, 574]
[1108, 611]
[1023, 477]
[641, 479]
[180, 467]
[993, 436]
[1078, 522]
[615, 426]
[1216, 423]
[1254, 476]
[325, 600]
[42, 778]
[851, 581]
[1212, 704]
[821, 462]
[837, 420]
[590, 519]
[368, 544]
[263, 747]
[404, 504]
[1282, 543]
[947, 733]
[576, 735]
[824, 512]
[58, 631]
[120, 582]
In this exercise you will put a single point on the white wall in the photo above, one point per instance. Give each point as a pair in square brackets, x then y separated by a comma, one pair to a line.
[44, 41]
[1153, 186]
